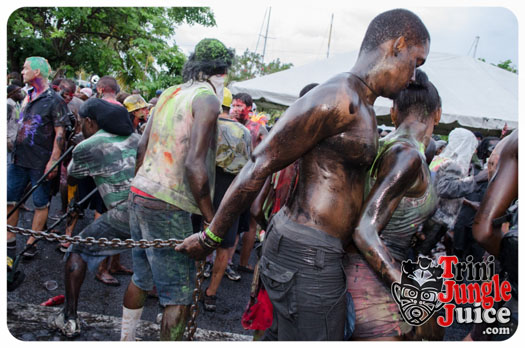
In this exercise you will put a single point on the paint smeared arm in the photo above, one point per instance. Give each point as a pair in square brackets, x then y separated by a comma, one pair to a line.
[205, 112]
[300, 128]
[397, 172]
[502, 190]
[257, 207]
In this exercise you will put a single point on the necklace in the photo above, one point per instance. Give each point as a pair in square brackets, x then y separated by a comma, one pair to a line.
[366, 84]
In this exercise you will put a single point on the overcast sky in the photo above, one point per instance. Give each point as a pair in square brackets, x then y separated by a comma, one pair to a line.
[299, 31]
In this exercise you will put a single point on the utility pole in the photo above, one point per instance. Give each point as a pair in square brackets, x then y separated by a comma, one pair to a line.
[475, 46]
[330, 36]
[266, 35]
[260, 30]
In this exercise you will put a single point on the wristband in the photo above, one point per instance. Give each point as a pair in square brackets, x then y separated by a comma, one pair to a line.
[212, 236]
[206, 242]
[202, 242]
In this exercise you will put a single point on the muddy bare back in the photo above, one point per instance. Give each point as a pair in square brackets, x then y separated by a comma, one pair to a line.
[329, 194]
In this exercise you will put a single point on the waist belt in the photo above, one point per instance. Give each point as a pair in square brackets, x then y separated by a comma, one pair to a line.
[151, 203]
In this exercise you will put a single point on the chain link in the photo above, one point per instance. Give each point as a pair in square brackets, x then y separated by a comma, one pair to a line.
[103, 242]
[191, 326]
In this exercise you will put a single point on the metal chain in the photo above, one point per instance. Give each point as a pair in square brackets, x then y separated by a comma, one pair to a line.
[191, 326]
[103, 242]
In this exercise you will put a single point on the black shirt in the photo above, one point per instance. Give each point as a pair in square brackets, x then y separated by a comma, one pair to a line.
[36, 133]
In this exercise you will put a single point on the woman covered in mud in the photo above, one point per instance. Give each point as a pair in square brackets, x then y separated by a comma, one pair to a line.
[400, 198]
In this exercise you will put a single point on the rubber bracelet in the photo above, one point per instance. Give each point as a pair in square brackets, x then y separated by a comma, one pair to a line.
[212, 236]
[202, 242]
[207, 242]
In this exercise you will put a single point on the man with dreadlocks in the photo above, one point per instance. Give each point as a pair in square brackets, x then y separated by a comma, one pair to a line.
[175, 178]
[332, 130]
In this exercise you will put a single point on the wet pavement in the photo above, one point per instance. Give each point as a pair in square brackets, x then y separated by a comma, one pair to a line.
[99, 299]
[100, 306]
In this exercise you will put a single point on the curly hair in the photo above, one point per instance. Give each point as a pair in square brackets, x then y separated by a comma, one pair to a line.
[391, 25]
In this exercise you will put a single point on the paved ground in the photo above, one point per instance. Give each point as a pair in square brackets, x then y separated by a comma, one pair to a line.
[25, 323]
[101, 299]
[101, 305]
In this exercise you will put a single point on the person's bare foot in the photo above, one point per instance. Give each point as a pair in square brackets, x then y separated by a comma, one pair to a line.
[115, 267]
[107, 279]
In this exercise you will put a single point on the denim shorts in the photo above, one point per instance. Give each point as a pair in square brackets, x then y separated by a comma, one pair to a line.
[171, 272]
[103, 227]
[17, 179]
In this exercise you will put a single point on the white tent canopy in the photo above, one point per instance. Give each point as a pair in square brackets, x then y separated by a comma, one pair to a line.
[474, 93]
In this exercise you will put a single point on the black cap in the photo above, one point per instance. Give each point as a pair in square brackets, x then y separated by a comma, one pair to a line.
[110, 117]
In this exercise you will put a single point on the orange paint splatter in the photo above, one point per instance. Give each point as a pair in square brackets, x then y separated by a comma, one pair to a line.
[168, 98]
[168, 158]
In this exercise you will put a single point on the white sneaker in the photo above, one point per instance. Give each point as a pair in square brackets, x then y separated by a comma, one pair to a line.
[69, 328]
[231, 274]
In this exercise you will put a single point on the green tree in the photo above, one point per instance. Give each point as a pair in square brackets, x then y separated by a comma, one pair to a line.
[128, 43]
[250, 65]
[506, 64]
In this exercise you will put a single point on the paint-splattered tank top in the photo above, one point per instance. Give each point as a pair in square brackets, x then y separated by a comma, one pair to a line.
[162, 173]
[411, 212]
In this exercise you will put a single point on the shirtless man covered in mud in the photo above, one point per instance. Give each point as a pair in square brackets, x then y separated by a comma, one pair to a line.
[333, 131]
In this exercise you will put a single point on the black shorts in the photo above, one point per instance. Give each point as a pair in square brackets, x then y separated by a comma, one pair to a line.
[85, 186]
[223, 180]
[302, 271]
[244, 221]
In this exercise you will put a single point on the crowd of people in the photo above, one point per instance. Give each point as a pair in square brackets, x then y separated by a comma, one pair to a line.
[337, 203]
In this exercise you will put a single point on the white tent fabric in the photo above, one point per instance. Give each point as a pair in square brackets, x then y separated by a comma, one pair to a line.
[474, 93]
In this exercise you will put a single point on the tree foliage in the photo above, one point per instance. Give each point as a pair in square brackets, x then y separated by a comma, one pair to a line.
[506, 64]
[250, 65]
[128, 43]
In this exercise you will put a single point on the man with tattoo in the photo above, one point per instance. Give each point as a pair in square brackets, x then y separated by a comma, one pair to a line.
[175, 178]
[333, 131]
[39, 144]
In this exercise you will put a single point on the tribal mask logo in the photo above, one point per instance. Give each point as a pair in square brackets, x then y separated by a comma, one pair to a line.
[417, 294]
